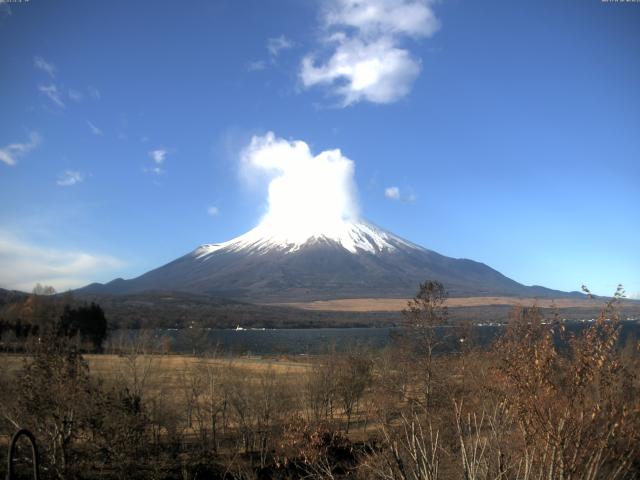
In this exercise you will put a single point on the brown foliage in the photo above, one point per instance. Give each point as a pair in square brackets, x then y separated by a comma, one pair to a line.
[541, 404]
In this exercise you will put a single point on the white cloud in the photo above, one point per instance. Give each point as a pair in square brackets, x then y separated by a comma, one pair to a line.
[213, 211]
[634, 296]
[75, 95]
[278, 44]
[95, 130]
[376, 72]
[307, 193]
[366, 61]
[158, 156]
[45, 66]
[376, 18]
[392, 192]
[9, 154]
[396, 194]
[52, 92]
[22, 265]
[69, 178]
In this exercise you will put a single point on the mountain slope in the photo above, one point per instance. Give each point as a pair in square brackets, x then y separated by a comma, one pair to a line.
[352, 260]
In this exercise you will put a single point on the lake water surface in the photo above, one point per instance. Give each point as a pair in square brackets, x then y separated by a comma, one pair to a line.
[313, 341]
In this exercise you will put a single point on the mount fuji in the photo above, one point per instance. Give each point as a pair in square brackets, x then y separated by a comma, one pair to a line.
[312, 262]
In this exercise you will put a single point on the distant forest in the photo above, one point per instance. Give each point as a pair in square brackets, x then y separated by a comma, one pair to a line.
[179, 310]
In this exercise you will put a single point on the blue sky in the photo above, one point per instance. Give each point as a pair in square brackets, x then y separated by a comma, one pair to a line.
[505, 132]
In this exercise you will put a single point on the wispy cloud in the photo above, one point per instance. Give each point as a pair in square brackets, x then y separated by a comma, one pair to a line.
[53, 93]
[366, 61]
[9, 154]
[45, 66]
[154, 170]
[278, 44]
[275, 46]
[50, 90]
[94, 92]
[95, 130]
[75, 95]
[256, 66]
[22, 265]
[392, 192]
[158, 156]
[213, 211]
[396, 194]
[69, 178]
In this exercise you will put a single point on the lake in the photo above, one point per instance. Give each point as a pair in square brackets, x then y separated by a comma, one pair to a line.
[313, 341]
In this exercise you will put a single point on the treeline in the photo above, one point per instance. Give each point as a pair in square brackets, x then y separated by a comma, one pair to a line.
[179, 310]
[159, 310]
[28, 320]
[525, 409]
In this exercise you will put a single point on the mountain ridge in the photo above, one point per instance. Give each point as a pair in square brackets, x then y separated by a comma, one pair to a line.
[350, 260]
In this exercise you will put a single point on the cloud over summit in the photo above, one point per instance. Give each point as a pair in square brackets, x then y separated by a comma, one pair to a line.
[306, 191]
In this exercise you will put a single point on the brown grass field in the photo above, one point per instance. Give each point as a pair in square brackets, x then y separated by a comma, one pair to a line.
[105, 363]
[165, 374]
[397, 304]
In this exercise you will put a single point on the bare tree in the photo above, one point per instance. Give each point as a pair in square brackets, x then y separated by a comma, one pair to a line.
[321, 389]
[411, 452]
[56, 394]
[353, 376]
[40, 289]
[213, 400]
[425, 312]
[138, 365]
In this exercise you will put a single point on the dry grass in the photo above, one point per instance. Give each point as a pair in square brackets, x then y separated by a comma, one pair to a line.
[169, 368]
[397, 304]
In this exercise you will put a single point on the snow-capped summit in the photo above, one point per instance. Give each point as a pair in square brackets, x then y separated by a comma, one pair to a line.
[353, 237]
